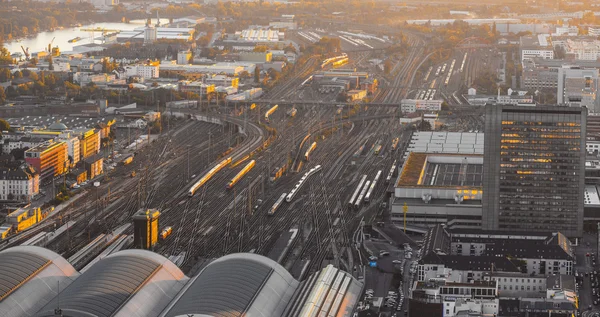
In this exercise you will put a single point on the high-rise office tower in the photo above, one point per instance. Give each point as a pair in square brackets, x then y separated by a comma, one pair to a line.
[534, 163]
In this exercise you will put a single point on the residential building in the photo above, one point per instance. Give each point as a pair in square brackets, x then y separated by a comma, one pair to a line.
[19, 184]
[534, 163]
[143, 71]
[442, 298]
[536, 46]
[413, 105]
[93, 166]
[461, 269]
[537, 254]
[566, 30]
[89, 143]
[583, 49]
[49, 159]
[593, 31]
[73, 148]
[578, 87]
[24, 142]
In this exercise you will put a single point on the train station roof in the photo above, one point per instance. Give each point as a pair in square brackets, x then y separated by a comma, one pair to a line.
[139, 283]
[30, 277]
[127, 283]
[235, 285]
[330, 292]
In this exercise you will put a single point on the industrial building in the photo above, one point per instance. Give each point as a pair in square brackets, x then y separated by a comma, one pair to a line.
[259, 35]
[145, 284]
[534, 160]
[197, 87]
[445, 142]
[49, 159]
[158, 33]
[145, 228]
[413, 105]
[217, 68]
[439, 188]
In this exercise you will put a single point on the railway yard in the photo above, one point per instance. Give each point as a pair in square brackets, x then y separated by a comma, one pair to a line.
[215, 220]
[294, 177]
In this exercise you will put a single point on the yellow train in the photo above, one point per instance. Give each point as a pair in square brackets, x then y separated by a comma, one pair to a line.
[241, 174]
[208, 176]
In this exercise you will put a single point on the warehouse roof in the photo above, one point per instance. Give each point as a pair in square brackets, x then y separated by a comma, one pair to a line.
[130, 283]
[30, 277]
[235, 285]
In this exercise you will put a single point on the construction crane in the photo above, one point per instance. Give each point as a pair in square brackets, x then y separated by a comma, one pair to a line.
[26, 52]
[50, 45]
[53, 51]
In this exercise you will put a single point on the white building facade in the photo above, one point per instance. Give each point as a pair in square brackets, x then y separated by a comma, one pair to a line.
[18, 184]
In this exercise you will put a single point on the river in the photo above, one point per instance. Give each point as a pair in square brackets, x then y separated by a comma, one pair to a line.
[61, 37]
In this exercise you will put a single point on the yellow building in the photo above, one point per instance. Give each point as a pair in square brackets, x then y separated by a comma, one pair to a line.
[22, 218]
[89, 144]
[145, 228]
[49, 159]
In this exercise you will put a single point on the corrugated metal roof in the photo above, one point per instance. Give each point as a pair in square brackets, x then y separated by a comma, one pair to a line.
[223, 290]
[30, 277]
[104, 288]
[236, 285]
[17, 267]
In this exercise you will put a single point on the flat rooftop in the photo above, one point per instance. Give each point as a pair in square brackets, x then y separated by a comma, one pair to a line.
[41, 122]
[442, 170]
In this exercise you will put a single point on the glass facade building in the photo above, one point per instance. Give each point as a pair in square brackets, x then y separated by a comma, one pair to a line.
[534, 164]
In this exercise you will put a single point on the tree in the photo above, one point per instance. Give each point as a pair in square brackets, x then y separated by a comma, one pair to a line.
[559, 52]
[257, 74]
[2, 95]
[5, 58]
[387, 66]
[19, 154]
[445, 106]
[33, 61]
[424, 125]
[244, 74]
[11, 92]
[5, 75]
[4, 125]
[260, 48]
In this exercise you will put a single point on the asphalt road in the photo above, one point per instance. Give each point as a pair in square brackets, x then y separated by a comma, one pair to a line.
[584, 264]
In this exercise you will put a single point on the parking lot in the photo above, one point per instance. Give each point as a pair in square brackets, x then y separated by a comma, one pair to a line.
[389, 278]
